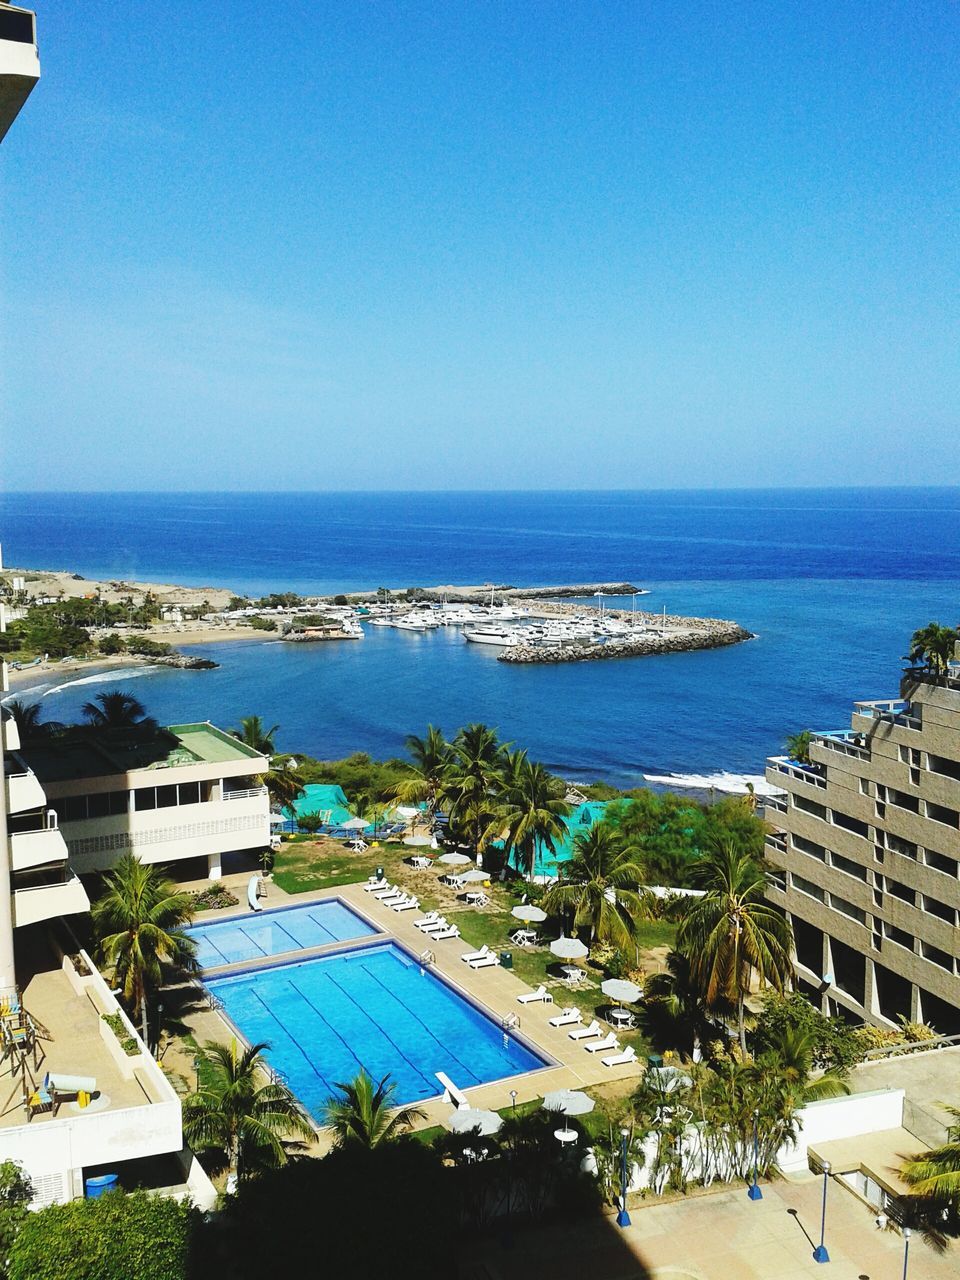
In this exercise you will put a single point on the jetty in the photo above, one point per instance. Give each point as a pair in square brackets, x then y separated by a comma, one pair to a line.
[653, 633]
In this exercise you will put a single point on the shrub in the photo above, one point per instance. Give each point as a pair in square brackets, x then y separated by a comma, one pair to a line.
[111, 644]
[213, 896]
[263, 624]
[118, 1027]
[340, 600]
[837, 1046]
[16, 1192]
[148, 648]
[116, 1237]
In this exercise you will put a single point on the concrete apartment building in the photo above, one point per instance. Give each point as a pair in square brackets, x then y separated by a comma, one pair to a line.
[865, 848]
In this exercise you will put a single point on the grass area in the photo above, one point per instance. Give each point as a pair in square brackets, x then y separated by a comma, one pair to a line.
[323, 864]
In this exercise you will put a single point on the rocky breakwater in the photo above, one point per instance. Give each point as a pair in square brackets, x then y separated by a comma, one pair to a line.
[654, 634]
[183, 661]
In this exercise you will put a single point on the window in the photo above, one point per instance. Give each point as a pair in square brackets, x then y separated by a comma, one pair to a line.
[851, 824]
[899, 936]
[72, 808]
[808, 887]
[934, 907]
[936, 956]
[848, 866]
[940, 862]
[939, 813]
[810, 847]
[906, 848]
[189, 793]
[145, 798]
[809, 806]
[848, 909]
[902, 891]
[903, 801]
[166, 797]
[940, 764]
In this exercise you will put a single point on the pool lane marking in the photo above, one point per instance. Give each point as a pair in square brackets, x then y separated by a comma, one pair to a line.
[426, 1028]
[292, 1038]
[306, 999]
[377, 1027]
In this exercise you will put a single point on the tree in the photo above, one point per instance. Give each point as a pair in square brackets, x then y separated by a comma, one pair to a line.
[798, 746]
[117, 710]
[111, 644]
[676, 1009]
[530, 810]
[732, 932]
[26, 716]
[362, 1114]
[934, 646]
[599, 886]
[431, 756]
[792, 1059]
[115, 1237]
[285, 785]
[16, 1192]
[253, 734]
[936, 1173]
[138, 921]
[472, 783]
[241, 1111]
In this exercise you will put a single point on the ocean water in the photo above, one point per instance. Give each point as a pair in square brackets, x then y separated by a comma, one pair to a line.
[833, 582]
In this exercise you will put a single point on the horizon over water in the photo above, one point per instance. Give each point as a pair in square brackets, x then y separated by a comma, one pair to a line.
[833, 581]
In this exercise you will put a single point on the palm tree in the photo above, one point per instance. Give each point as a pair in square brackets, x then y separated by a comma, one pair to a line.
[138, 921]
[363, 1114]
[431, 765]
[934, 646]
[674, 1000]
[285, 785]
[732, 932]
[253, 734]
[117, 710]
[241, 1110]
[936, 1173]
[472, 783]
[599, 885]
[798, 746]
[26, 716]
[530, 810]
[792, 1059]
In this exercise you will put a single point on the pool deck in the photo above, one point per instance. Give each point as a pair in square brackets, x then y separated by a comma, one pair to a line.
[496, 989]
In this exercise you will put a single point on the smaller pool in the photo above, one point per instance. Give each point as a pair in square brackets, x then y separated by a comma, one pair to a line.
[270, 933]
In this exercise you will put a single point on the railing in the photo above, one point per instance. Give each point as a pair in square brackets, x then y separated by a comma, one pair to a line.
[510, 1022]
[776, 803]
[247, 793]
[802, 772]
[913, 1046]
[845, 741]
[778, 840]
[889, 711]
[427, 957]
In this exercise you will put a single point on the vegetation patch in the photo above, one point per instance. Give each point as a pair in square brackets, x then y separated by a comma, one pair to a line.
[124, 1038]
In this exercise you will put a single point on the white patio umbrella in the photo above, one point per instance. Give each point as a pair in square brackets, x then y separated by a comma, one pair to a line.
[621, 990]
[475, 877]
[455, 859]
[417, 842]
[568, 1102]
[528, 912]
[276, 819]
[569, 948]
[355, 824]
[472, 1118]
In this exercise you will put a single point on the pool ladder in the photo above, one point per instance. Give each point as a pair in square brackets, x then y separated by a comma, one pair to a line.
[427, 957]
[510, 1022]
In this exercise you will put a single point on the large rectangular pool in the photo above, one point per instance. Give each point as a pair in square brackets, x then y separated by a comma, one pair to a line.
[371, 1007]
[270, 933]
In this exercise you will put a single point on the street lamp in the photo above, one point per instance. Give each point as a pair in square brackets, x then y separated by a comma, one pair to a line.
[820, 1252]
[196, 1071]
[753, 1191]
[906, 1250]
[623, 1217]
[513, 1101]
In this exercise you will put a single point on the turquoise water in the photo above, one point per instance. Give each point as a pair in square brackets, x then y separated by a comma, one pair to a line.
[270, 933]
[373, 1007]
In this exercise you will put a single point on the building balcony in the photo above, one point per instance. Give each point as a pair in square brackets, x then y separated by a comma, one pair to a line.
[36, 848]
[843, 742]
[61, 895]
[23, 791]
[19, 62]
[890, 711]
[9, 734]
[812, 774]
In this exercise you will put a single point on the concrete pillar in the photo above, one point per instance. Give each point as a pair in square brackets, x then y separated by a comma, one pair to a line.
[916, 1004]
[214, 869]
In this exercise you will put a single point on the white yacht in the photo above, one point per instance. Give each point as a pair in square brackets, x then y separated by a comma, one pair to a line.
[490, 633]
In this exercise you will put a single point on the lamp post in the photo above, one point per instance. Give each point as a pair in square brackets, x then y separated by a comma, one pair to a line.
[623, 1217]
[196, 1070]
[513, 1101]
[753, 1191]
[820, 1252]
[906, 1250]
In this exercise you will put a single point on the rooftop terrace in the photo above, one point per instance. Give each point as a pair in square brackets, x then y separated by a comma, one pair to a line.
[98, 753]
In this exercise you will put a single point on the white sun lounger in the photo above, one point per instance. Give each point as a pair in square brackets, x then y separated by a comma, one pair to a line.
[435, 925]
[621, 1059]
[386, 893]
[430, 918]
[568, 1018]
[476, 955]
[485, 962]
[411, 904]
[391, 899]
[601, 1046]
[373, 886]
[586, 1033]
[451, 931]
[531, 997]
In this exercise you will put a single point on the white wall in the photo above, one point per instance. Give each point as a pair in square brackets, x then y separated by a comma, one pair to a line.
[843, 1118]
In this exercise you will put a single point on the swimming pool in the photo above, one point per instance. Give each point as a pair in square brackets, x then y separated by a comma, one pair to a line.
[371, 1007]
[269, 933]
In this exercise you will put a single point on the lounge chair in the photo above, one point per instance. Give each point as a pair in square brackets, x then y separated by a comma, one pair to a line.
[587, 1033]
[476, 955]
[531, 997]
[567, 1018]
[451, 931]
[373, 885]
[485, 962]
[601, 1046]
[388, 899]
[430, 918]
[435, 925]
[621, 1059]
[411, 904]
[402, 896]
[386, 892]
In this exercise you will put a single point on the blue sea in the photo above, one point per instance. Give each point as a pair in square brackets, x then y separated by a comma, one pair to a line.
[832, 581]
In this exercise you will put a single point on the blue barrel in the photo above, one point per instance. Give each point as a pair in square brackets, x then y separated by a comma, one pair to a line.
[96, 1187]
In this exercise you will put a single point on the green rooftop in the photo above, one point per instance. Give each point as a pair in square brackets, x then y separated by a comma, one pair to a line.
[98, 753]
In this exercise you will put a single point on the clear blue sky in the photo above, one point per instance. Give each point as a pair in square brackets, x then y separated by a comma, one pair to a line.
[483, 244]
